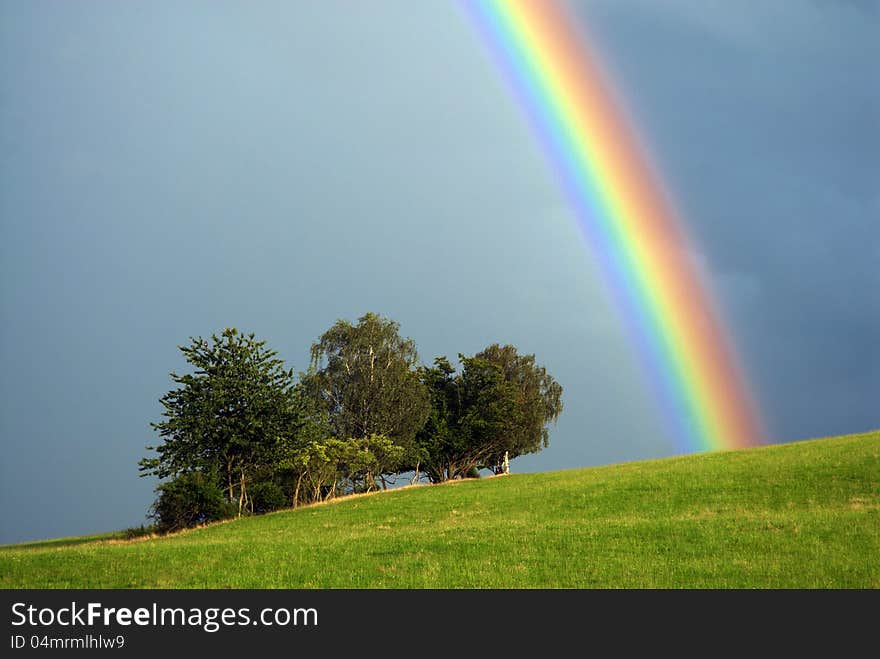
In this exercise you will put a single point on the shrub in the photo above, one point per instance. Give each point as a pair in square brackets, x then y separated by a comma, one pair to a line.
[189, 500]
[267, 496]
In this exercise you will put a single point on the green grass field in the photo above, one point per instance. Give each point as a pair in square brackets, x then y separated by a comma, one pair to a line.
[805, 514]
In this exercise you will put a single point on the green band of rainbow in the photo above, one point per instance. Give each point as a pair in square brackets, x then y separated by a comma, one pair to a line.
[625, 216]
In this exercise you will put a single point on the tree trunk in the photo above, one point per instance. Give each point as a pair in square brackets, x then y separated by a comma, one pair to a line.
[296, 490]
[415, 478]
[241, 494]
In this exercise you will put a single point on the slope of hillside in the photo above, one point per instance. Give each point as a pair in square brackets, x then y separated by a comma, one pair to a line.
[805, 514]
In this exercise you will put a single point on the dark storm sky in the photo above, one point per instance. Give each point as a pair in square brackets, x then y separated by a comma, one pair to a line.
[169, 169]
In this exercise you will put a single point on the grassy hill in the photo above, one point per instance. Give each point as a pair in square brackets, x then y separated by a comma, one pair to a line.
[805, 514]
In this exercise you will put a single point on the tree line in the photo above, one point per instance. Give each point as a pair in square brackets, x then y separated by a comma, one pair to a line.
[243, 434]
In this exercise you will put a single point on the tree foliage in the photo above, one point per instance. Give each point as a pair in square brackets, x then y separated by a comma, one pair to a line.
[364, 376]
[325, 468]
[501, 402]
[362, 461]
[229, 415]
[535, 397]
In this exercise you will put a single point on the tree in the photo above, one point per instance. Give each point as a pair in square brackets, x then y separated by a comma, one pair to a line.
[364, 376]
[501, 402]
[536, 399]
[438, 442]
[229, 415]
[315, 469]
[363, 460]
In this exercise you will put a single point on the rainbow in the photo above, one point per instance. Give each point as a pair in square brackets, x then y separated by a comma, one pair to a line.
[625, 216]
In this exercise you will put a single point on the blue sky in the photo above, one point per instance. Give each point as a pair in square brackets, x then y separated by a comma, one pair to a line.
[172, 168]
